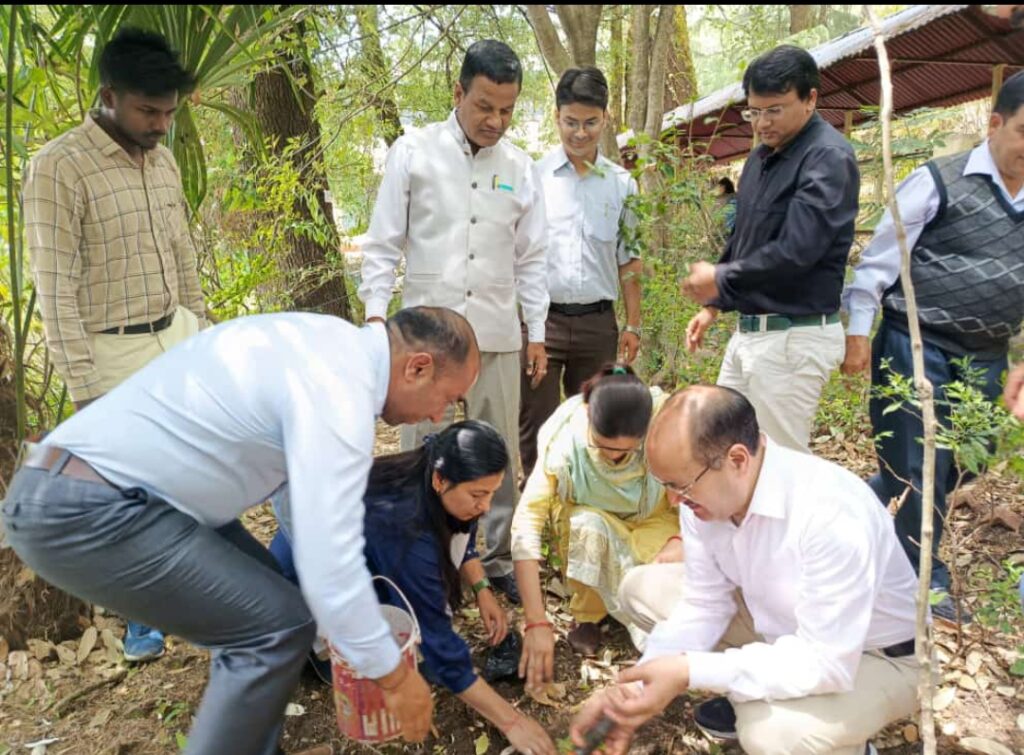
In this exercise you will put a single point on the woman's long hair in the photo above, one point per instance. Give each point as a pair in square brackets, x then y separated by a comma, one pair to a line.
[463, 452]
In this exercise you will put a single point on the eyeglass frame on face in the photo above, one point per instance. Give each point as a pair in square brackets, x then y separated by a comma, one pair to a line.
[589, 129]
[754, 114]
[683, 491]
[624, 451]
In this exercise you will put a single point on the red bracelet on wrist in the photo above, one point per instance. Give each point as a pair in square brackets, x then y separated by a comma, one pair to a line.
[535, 624]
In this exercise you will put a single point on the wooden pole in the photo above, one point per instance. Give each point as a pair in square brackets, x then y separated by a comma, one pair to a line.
[925, 393]
[12, 228]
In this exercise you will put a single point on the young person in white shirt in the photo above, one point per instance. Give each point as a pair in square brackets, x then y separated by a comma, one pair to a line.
[795, 599]
[465, 209]
[592, 250]
[133, 502]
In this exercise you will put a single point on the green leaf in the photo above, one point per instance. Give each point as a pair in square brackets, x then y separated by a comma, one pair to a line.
[181, 740]
[482, 744]
[1017, 669]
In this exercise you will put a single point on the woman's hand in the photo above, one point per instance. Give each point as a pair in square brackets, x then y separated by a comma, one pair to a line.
[671, 552]
[493, 616]
[527, 736]
[537, 663]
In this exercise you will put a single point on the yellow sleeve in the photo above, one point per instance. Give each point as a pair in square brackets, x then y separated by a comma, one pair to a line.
[532, 514]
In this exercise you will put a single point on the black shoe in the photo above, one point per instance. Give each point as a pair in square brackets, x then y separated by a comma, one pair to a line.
[716, 718]
[945, 611]
[322, 669]
[507, 585]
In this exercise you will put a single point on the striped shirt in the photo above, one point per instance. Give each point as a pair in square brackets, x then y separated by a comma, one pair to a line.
[109, 244]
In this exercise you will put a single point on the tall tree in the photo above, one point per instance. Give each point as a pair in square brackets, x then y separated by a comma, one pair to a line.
[802, 17]
[284, 100]
[681, 79]
[376, 69]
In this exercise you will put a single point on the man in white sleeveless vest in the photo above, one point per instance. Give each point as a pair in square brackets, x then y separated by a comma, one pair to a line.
[465, 209]
[964, 216]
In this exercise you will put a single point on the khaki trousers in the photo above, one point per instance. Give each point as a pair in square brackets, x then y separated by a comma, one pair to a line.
[782, 373]
[884, 691]
[117, 357]
[494, 399]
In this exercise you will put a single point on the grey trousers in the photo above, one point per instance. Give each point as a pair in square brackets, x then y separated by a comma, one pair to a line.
[494, 399]
[218, 589]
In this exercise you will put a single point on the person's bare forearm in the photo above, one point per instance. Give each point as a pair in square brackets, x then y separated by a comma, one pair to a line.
[629, 278]
[528, 580]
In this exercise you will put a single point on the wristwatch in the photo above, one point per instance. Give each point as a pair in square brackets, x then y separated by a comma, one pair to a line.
[482, 585]
[638, 332]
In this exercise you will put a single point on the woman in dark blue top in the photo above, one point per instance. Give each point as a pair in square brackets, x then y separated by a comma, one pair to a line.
[420, 525]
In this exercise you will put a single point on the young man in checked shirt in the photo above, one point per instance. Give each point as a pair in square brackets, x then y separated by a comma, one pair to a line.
[112, 259]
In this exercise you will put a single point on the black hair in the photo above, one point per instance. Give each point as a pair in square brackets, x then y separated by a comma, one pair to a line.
[1011, 96]
[493, 59]
[727, 185]
[441, 332]
[143, 62]
[586, 86]
[463, 452]
[620, 404]
[720, 422]
[780, 70]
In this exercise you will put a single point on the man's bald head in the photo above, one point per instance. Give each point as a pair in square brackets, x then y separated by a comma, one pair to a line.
[706, 421]
[443, 333]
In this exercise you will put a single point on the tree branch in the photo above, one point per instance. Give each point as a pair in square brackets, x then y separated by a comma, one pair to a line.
[548, 41]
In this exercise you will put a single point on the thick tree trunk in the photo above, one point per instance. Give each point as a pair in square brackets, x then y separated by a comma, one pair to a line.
[550, 44]
[802, 17]
[376, 67]
[580, 23]
[639, 67]
[284, 108]
[681, 79]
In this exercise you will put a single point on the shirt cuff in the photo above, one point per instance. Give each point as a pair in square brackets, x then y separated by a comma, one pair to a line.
[381, 661]
[861, 320]
[723, 301]
[535, 332]
[713, 672]
[377, 307]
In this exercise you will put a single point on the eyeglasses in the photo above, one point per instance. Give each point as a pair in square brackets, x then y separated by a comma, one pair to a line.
[752, 114]
[589, 126]
[611, 450]
[683, 490]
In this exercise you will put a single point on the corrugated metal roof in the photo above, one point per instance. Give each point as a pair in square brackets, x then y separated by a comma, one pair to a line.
[941, 55]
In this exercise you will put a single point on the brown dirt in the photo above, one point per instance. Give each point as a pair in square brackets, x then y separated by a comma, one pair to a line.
[145, 710]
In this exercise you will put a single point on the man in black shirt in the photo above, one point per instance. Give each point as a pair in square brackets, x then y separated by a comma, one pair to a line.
[783, 265]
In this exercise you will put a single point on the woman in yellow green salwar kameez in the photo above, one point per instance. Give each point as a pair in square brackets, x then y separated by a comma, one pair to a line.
[606, 512]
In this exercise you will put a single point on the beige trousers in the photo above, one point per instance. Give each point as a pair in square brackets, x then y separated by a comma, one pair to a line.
[494, 399]
[884, 691]
[118, 356]
[782, 373]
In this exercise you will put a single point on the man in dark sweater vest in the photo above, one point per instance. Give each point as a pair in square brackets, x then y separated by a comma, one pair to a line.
[964, 216]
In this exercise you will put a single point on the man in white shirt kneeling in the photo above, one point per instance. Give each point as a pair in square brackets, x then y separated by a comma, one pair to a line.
[794, 601]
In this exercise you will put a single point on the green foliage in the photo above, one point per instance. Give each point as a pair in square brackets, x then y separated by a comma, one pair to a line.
[998, 606]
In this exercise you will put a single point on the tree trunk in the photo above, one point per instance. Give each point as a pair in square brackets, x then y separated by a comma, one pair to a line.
[639, 67]
[681, 80]
[616, 81]
[659, 62]
[548, 42]
[284, 107]
[376, 68]
[580, 24]
[802, 17]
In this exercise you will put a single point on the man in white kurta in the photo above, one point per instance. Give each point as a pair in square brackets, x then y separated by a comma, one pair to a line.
[465, 209]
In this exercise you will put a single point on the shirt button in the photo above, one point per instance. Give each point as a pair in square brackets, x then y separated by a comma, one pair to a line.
[472, 220]
[473, 184]
[468, 294]
[472, 256]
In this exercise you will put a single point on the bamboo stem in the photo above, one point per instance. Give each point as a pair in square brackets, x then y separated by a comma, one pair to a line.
[925, 394]
[12, 227]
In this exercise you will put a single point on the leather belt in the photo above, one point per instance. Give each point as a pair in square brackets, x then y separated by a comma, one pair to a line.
[46, 457]
[575, 310]
[765, 323]
[900, 649]
[147, 327]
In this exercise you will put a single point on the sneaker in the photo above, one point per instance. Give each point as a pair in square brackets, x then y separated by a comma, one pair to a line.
[716, 718]
[946, 611]
[142, 643]
[507, 585]
[585, 638]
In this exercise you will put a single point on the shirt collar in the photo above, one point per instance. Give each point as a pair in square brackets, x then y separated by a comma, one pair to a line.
[769, 492]
[559, 160]
[100, 138]
[375, 335]
[460, 136]
[980, 162]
